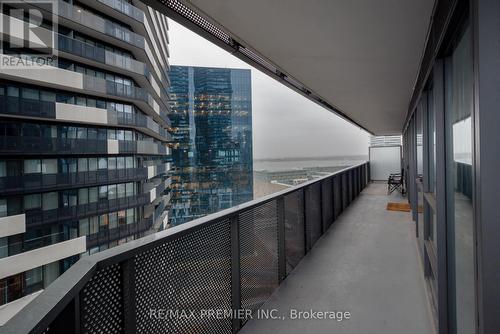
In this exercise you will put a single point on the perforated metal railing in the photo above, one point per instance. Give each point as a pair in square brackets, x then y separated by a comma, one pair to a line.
[174, 281]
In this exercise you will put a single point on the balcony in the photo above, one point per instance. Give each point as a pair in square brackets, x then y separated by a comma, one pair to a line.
[70, 213]
[125, 8]
[125, 65]
[57, 181]
[75, 113]
[81, 49]
[78, 82]
[87, 19]
[120, 232]
[37, 145]
[316, 246]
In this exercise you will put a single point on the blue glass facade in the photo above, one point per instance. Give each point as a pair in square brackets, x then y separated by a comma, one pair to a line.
[212, 158]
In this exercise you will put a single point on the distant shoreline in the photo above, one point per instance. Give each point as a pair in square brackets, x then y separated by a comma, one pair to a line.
[338, 157]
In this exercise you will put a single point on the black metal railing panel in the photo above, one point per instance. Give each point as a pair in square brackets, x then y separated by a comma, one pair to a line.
[258, 237]
[295, 247]
[229, 261]
[101, 302]
[337, 196]
[195, 276]
[313, 214]
[327, 204]
[344, 190]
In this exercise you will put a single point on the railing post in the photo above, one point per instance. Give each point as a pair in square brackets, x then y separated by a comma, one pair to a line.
[334, 217]
[68, 320]
[341, 193]
[235, 272]
[354, 183]
[280, 201]
[368, 172]
[359, 179]
[321, 213]
[364, 176]
[128, 288]
[77, 313]
[304, 210]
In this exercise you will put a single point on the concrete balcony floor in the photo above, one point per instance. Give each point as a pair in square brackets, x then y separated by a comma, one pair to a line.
[367, 263]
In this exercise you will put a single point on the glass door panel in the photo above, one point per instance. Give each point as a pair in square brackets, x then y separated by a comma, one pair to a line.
[458, 115]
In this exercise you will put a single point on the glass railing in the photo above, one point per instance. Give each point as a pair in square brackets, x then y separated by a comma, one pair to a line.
[18, 247]
[47, 109]
[75, 212]
[137, 119]
[150, 124]
[101, 85]
[95, 22]
[47, 182]
[26, 107]
[12, 289]
[128, 63]
[99, 54]
[125, 8]
[118, 89]
[231, 260]
[39, 145]
[149, 147]
[165, 118]
[79, 48]
[16, 288]
[122, 231]
[159, 210]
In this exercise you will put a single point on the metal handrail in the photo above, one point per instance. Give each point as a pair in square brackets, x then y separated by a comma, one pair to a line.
[38, 315]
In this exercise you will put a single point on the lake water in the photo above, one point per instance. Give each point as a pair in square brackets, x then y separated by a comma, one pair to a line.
[287, 164]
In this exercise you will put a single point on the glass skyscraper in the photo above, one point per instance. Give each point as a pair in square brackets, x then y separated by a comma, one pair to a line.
[211, 113]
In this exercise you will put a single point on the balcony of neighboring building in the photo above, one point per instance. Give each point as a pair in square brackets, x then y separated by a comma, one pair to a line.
[29, 102]
[29, 138]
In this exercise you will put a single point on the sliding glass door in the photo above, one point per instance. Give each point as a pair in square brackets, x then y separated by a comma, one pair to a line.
[459, 161]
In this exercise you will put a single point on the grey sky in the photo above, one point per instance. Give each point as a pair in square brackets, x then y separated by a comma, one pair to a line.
[285, 124]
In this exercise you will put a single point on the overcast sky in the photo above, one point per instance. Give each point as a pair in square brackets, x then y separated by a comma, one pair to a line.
[285, 124]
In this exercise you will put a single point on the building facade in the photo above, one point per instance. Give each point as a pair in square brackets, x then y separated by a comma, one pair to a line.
[211, 113]
[83, 140]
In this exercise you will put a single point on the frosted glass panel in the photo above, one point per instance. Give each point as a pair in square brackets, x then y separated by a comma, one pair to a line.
[384, 161]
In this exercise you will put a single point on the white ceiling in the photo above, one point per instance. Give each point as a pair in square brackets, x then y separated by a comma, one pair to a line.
[361, 56]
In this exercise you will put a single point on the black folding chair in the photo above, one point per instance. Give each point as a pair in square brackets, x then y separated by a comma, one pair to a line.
[396, 182]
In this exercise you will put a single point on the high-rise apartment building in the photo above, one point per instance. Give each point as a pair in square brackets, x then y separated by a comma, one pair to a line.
[84, 139]
[211, 113]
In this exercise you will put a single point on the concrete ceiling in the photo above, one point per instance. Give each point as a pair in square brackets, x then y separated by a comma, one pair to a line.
[361, 56]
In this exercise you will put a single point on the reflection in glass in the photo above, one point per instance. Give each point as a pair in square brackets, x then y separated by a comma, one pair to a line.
[212, 162]
[420, 172]
[459, 179]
